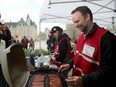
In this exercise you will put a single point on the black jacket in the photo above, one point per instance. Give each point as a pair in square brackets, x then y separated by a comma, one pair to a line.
[7, 37]
[63, 49]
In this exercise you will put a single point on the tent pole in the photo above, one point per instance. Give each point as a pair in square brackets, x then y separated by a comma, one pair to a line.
[115, 4]
[64, 2]
[113, 23]
[40, 34]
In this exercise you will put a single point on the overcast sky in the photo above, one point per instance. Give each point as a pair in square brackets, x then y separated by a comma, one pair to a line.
[14, 10]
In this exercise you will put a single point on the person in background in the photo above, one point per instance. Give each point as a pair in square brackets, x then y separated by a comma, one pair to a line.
[51, 42]
[25, 42]
[31, 44]
[1, 31]
[7, 35]
[62, 49]
[3, 82]
[95, 59]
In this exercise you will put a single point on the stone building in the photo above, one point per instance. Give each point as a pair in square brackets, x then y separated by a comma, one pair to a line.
[23, 28]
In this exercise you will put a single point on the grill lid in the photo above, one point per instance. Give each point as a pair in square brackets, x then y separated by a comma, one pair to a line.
[14, 66]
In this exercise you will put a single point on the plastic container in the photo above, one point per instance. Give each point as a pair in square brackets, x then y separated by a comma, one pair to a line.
[46, 61]
[40, 61]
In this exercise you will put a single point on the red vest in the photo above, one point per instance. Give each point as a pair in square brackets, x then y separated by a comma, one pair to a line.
[87, 58]
[25, 41]
[56, 51]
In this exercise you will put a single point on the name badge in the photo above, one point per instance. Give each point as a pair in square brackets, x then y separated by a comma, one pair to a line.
[88, 50]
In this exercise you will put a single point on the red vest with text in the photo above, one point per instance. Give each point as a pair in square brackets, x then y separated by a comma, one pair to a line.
[87, 58]
[56, 51]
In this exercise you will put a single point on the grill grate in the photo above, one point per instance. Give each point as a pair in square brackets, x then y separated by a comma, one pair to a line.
[46, 73]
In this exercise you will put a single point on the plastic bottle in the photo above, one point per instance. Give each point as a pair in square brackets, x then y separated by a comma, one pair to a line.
[40, 61]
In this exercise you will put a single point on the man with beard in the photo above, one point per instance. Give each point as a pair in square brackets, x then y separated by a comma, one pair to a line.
[94, 62]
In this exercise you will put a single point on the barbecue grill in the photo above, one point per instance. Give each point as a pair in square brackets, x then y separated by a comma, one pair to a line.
[17, 73]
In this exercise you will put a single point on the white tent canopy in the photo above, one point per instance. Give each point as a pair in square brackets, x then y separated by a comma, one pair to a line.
[59, 11]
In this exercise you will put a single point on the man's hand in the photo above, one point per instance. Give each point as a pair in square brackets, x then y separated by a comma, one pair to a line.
[74, 81]
[64, 67]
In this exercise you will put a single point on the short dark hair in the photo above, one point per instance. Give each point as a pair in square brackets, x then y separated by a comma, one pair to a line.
[84, 10]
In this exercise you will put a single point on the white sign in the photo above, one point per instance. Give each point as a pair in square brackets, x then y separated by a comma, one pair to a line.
[88, 50]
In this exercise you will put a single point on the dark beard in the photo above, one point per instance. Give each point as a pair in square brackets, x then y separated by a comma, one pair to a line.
[84, 29]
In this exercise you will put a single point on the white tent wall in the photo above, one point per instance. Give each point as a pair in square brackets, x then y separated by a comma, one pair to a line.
[59, 11]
